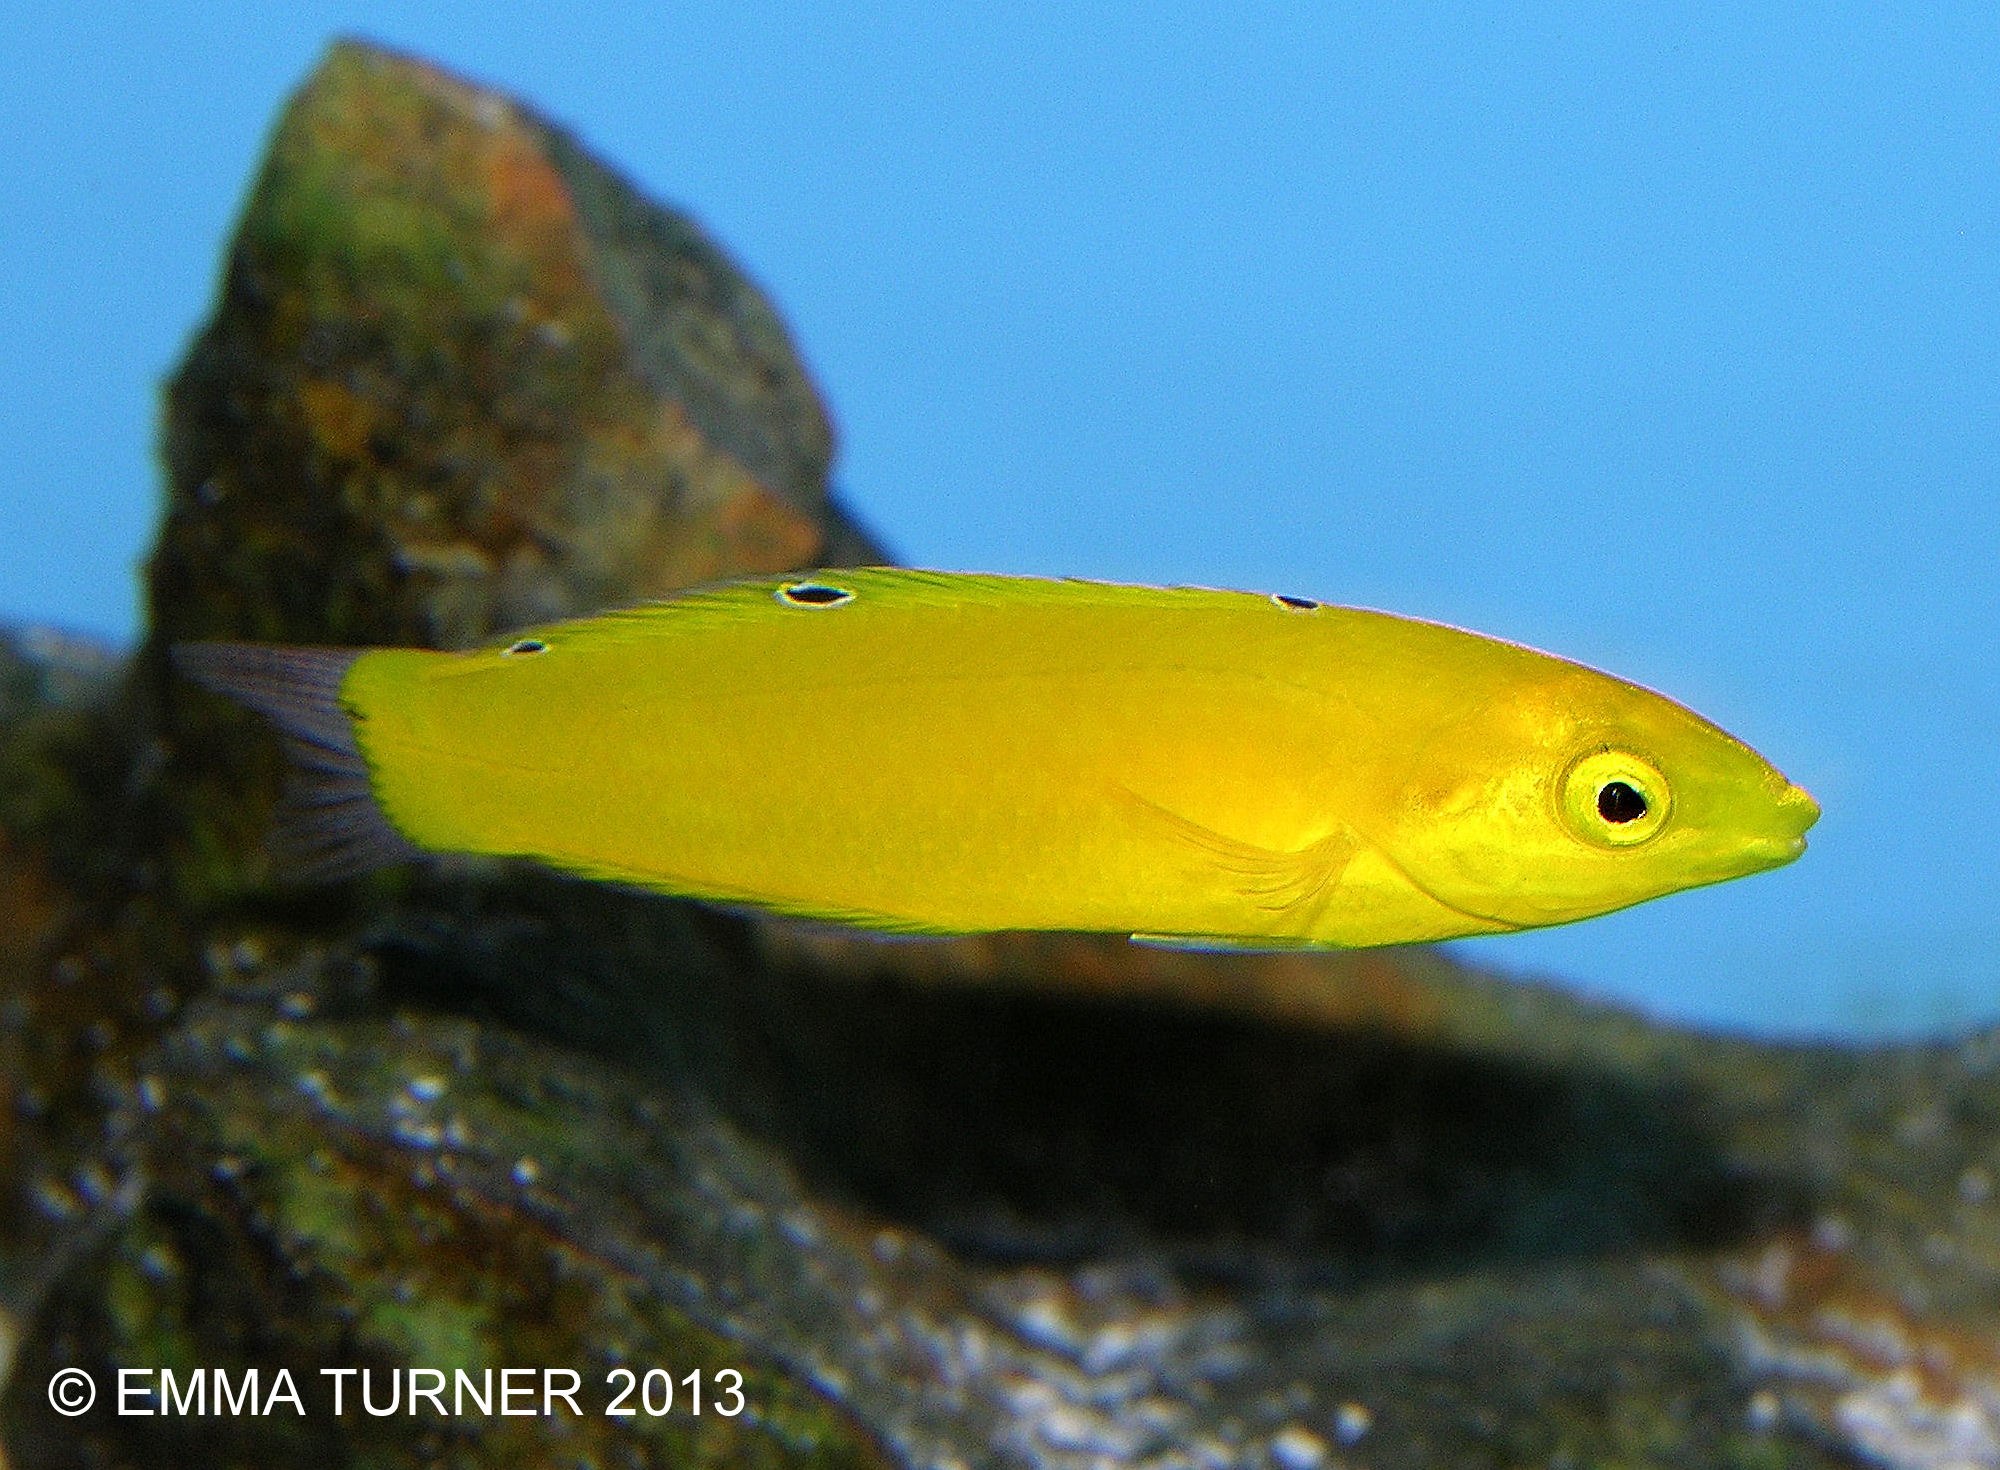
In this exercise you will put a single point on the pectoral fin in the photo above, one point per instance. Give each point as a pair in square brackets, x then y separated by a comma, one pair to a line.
[1289, 889]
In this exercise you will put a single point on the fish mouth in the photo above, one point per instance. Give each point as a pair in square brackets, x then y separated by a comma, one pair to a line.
[1796, 813]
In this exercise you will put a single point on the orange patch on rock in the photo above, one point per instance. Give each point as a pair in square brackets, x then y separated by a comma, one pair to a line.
[529, 207]
[761, 532]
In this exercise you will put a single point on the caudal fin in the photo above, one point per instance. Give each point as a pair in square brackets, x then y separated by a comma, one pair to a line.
[328, 824]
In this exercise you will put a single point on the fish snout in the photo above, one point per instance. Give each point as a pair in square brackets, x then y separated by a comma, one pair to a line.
[1797, 810]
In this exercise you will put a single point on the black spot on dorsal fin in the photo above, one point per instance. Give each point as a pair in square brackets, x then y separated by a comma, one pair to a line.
[814, 594]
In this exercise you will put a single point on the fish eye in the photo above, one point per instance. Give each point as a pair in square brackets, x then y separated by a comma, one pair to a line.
[1614, 798]
[814, 594]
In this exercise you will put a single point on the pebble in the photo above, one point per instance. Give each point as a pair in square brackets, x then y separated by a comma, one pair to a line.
[1351, 1422]
[1763, 1411]
[1297, 1448]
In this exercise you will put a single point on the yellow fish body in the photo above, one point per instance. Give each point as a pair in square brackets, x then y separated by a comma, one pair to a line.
[950, 753]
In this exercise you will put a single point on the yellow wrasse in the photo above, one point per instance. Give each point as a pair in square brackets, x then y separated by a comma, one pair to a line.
[931, 752]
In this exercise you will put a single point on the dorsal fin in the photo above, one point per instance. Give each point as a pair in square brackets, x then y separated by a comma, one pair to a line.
[909, 587]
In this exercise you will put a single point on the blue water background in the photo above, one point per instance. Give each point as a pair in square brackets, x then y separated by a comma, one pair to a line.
[1666, 342]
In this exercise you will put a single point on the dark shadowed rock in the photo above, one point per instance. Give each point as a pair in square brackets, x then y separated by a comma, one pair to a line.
[1020, 1201]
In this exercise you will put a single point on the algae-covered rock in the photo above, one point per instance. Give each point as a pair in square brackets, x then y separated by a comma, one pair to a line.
[395, 1197]
[87, 965]
[1035, 1202]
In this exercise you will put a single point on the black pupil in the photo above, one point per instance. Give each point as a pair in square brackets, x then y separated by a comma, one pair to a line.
[1617, 802]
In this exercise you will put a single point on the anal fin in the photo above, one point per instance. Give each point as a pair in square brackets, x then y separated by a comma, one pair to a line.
[1227, 943]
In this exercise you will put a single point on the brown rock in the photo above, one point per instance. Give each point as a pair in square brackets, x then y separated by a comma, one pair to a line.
[460, 378]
